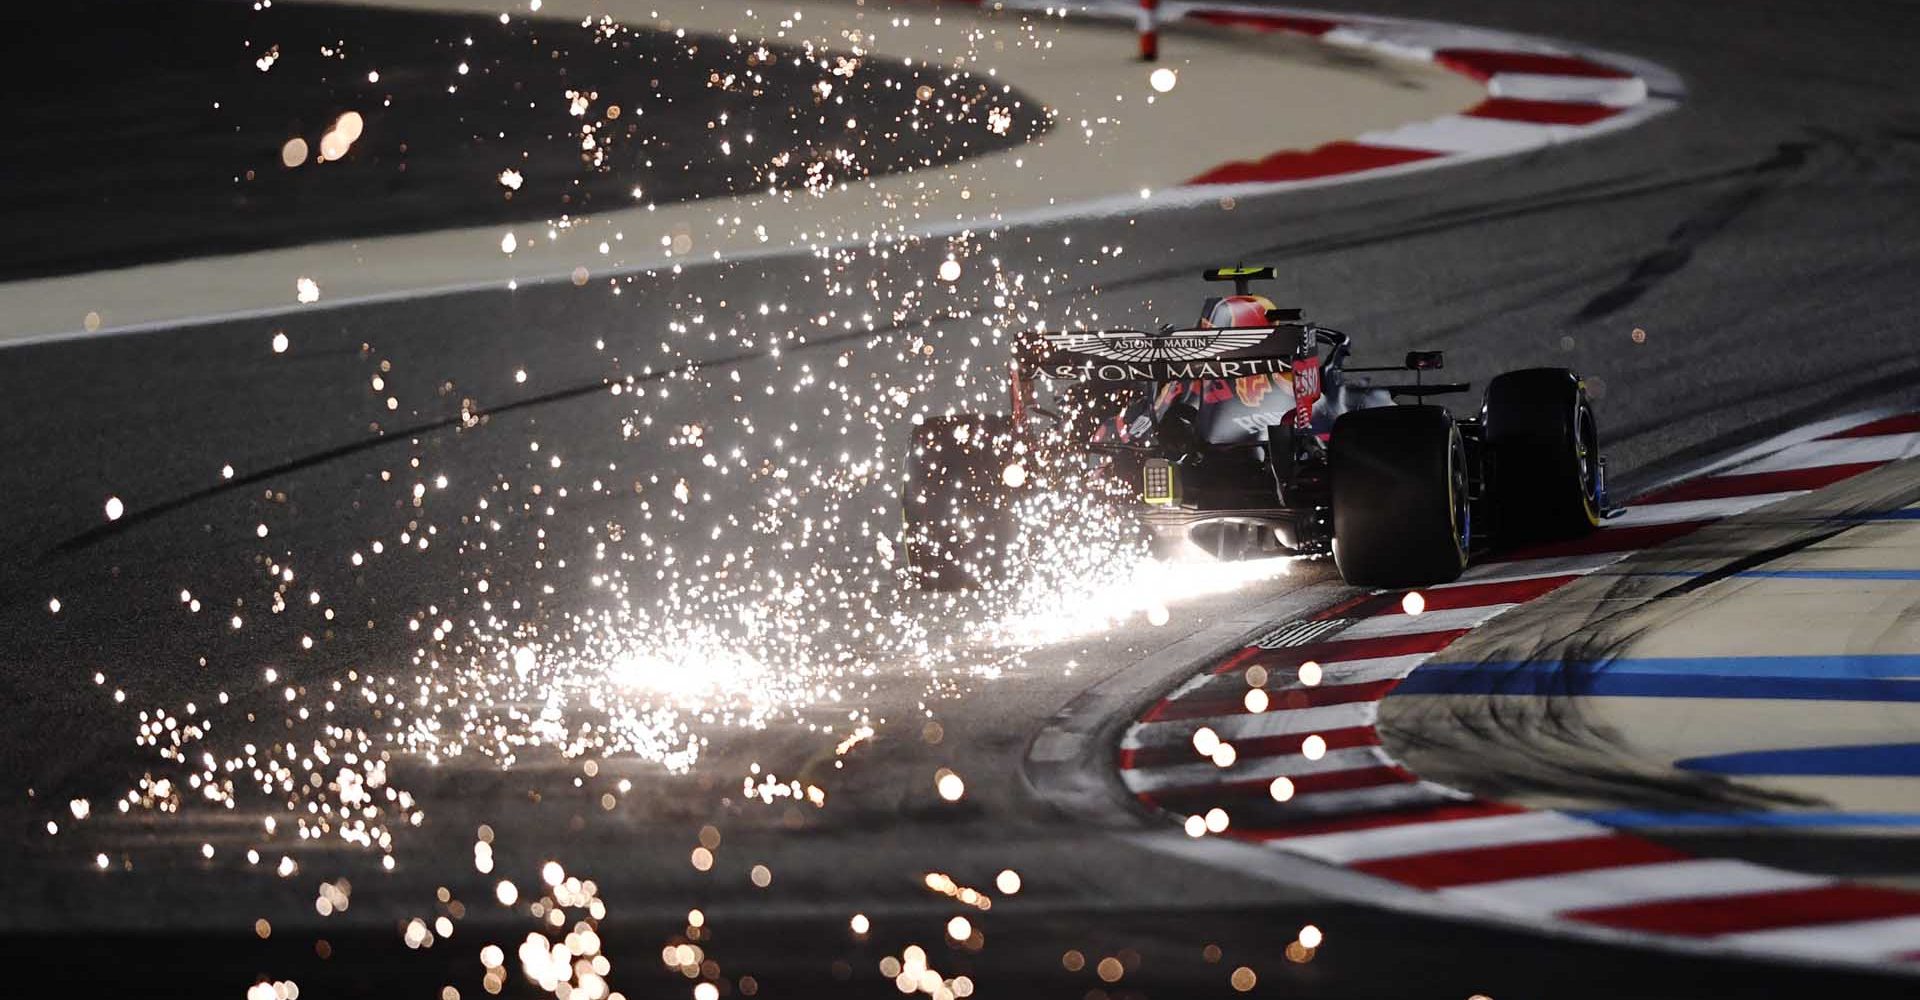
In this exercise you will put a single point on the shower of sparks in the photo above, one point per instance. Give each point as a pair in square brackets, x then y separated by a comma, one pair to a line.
[743, 569]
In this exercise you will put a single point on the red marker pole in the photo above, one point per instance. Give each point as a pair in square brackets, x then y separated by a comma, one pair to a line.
[1149, 30]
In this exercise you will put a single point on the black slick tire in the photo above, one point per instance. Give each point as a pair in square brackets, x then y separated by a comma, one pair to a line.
[1542, 453]
[1401, 516]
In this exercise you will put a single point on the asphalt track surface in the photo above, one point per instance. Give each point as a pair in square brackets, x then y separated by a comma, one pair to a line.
[1765, 237]
[174, 149]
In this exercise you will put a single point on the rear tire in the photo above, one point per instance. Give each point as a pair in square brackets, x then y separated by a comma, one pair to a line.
[957, 507]
[1543, 456]
[1401, 516]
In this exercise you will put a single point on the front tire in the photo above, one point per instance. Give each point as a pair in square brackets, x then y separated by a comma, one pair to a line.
[1401, 515]
[1543, 451]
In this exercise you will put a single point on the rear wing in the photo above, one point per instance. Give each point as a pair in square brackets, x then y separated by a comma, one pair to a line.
[1164, 356]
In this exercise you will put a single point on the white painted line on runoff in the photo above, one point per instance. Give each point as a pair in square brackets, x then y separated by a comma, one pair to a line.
[1533, 569]
[1628, 885]
[1569, 89]
[1401, 623]
[1291, 765]
[1697, 510]
[1456, 134]
[1379, 668]
[1408, 795]
[1244, 727]
[1842, 451]
[1453, 835]
[1860, 939]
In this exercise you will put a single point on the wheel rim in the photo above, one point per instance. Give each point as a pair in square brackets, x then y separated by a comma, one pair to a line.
[1458, 499]
[1586, 457]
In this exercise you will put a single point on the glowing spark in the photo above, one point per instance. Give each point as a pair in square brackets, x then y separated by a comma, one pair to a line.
[950, 271]
[1310, 673]
[1163, 79]
[1281, 789]
[1413, 603]
[279, 343]
[511, 179]
[115, 508]
[307, 290]
[1205, 741]
[1310, 936]
[1216, 820]
[1008, 882]
[1314, 747]
[959, 928]
[860, 923]
[341, 136]
[949, 785]
[1256, 701]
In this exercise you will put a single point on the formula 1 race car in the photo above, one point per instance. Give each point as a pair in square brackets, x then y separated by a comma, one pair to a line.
[1244, 437]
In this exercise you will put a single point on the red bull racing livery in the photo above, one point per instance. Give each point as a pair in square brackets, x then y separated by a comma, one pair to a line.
[1246, 436]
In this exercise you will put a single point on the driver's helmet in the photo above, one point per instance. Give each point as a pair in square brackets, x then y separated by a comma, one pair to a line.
[1237, 310]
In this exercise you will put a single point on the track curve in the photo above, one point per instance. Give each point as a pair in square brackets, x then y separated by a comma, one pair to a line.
[1774, 205]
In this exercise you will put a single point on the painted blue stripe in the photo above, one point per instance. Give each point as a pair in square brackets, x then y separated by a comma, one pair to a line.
[1891, 677]
[1887, 760]
[1903, 514]
[1647, 818]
